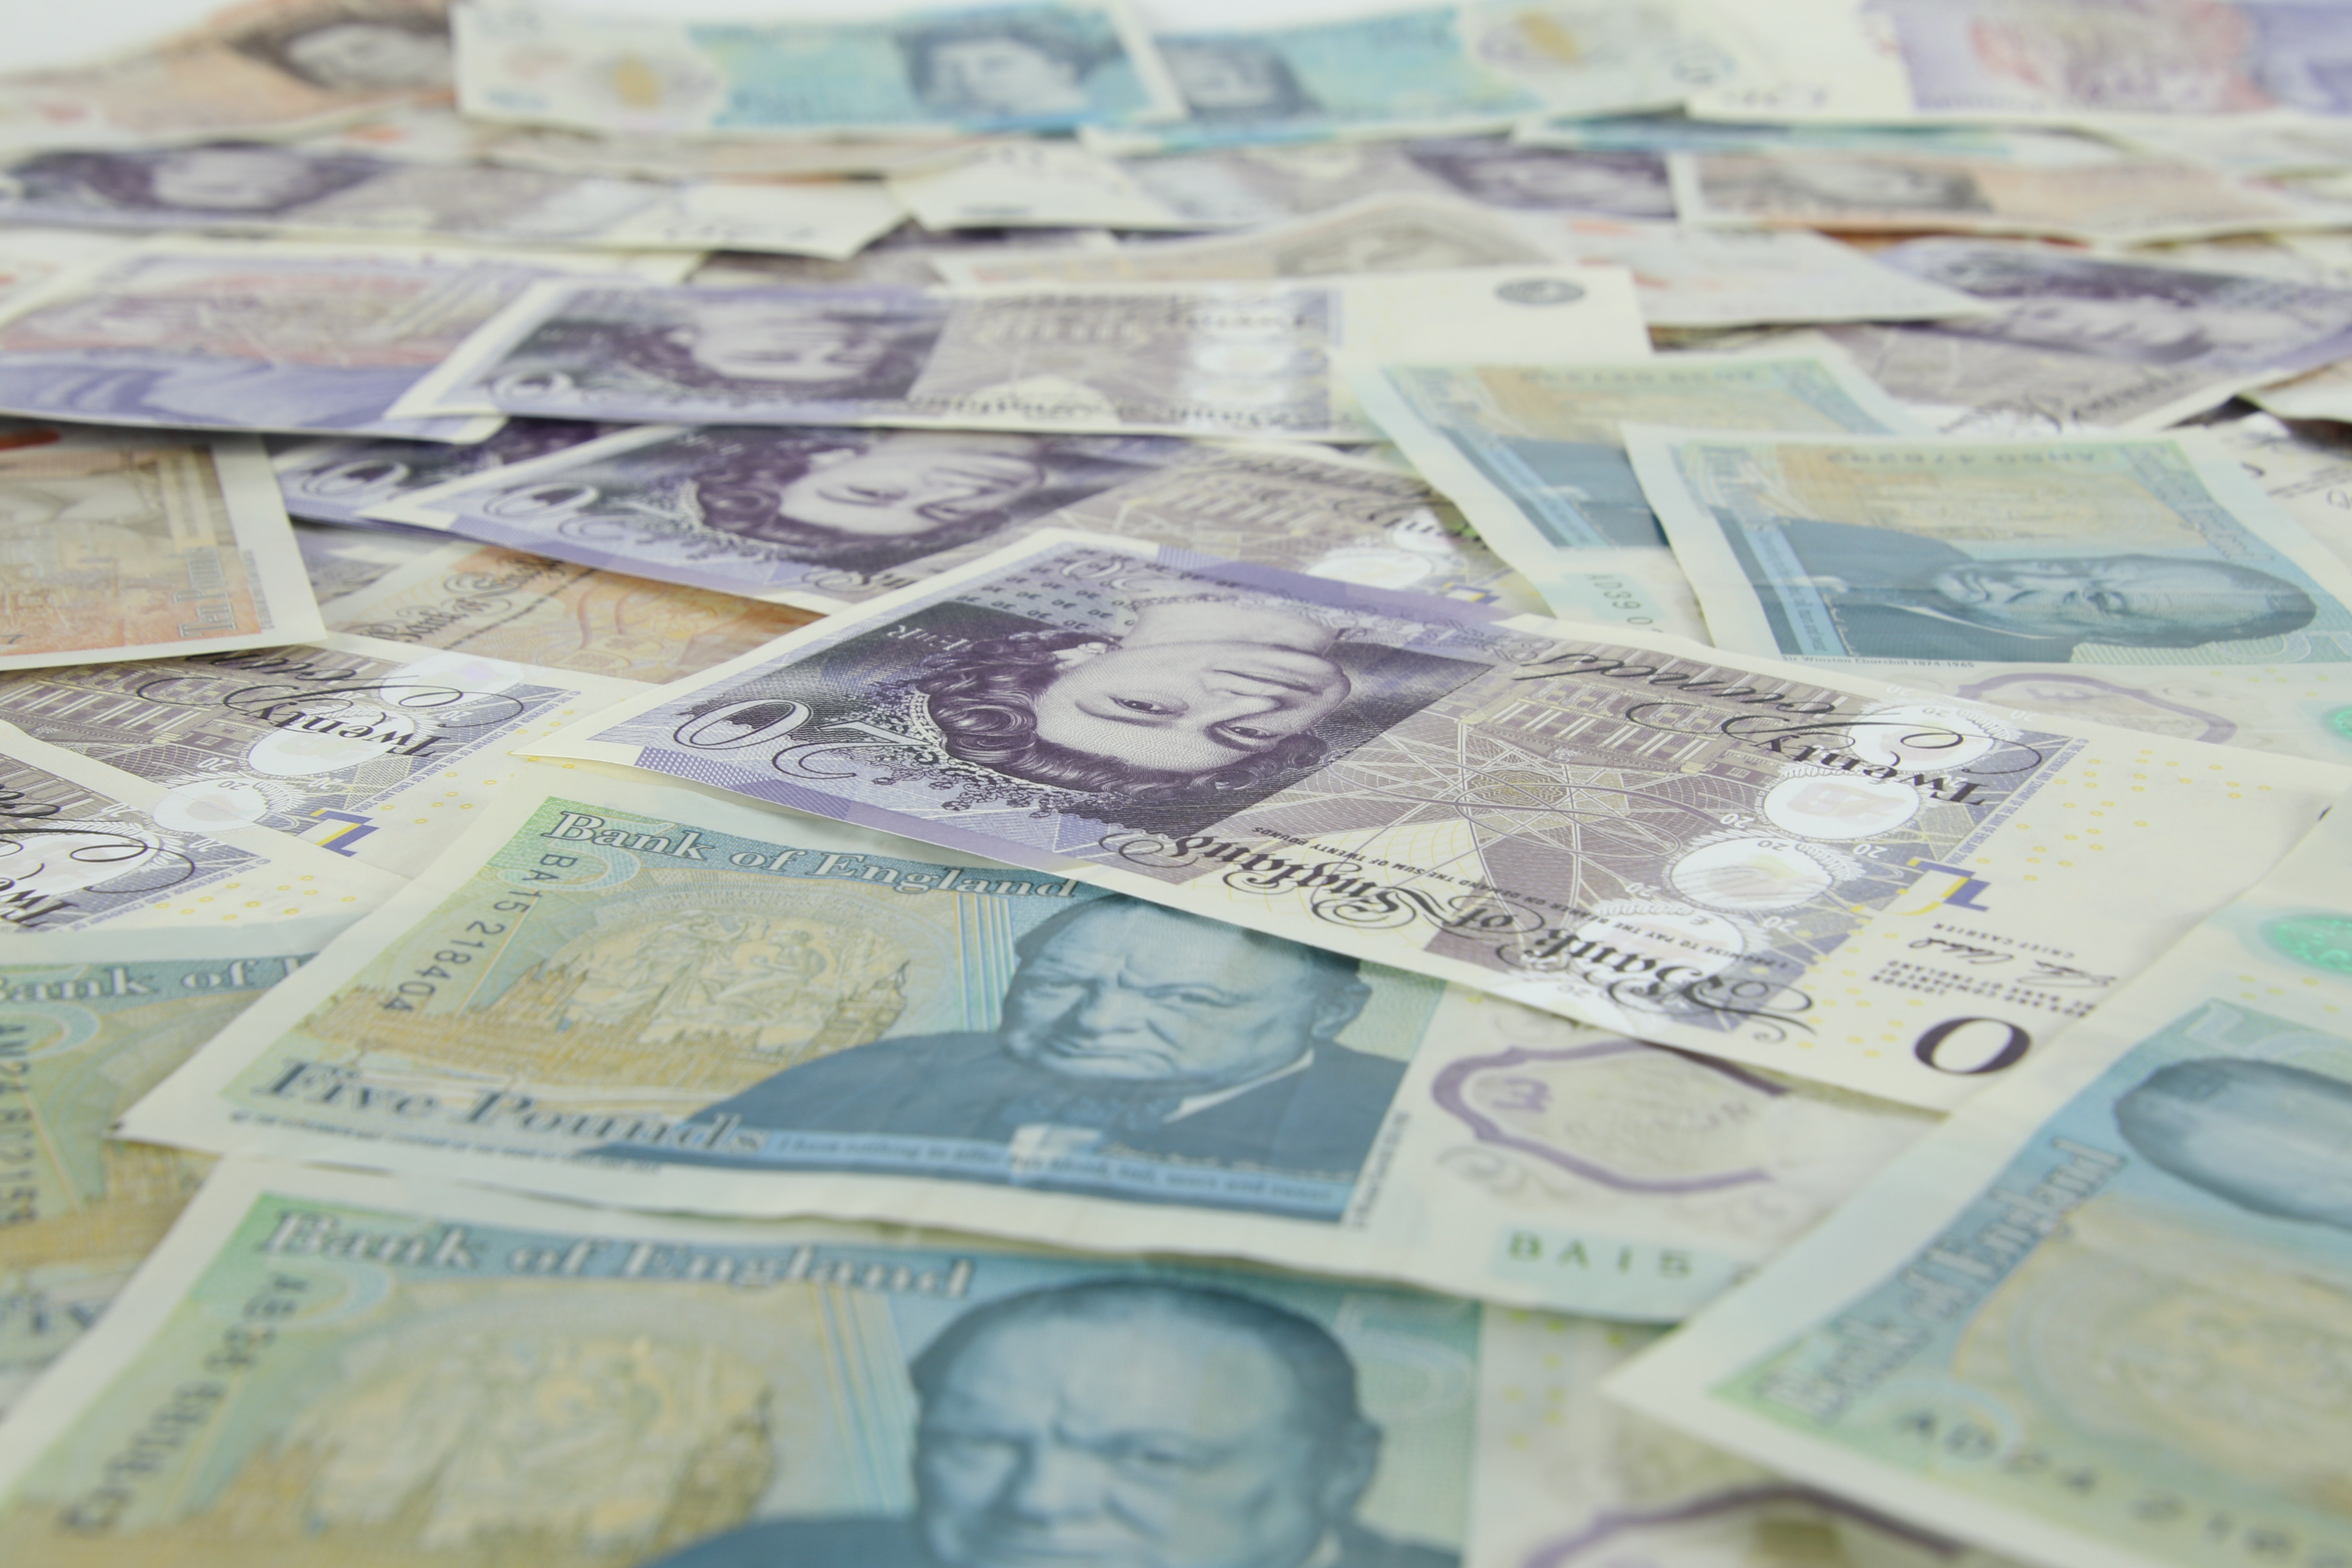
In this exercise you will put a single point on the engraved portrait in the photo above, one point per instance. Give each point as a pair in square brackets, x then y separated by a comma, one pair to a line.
[1005, 64]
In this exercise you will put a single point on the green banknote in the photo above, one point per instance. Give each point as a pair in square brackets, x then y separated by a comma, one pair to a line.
[635, 992]
[2098, 1319]
[88, 1024]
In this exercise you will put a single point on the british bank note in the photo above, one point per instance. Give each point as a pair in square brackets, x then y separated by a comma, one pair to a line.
[2305, 469]
[335, 482]
[29, 258]
[1202, 359]
[87, 1025]
[343, 561]
[300, 339]
[2096, 1319]
[1737, 856]
[114, 549]
[84, 845]
[1024, 65]
[2136, 581]
[372, 752]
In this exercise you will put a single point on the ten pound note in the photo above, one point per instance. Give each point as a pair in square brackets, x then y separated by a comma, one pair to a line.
[1806, 870]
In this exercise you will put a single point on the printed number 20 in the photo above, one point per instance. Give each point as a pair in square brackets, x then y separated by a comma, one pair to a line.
[2014, 1043]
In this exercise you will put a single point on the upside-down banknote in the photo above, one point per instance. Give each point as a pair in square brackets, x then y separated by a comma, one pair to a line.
[632, 993]
[2098, 1319]
[83, 845]
[2141, 581]
[87, 1025]
[114, 549]
[336, 481]
[1200, 359]
[1797, 868]
[373, 751]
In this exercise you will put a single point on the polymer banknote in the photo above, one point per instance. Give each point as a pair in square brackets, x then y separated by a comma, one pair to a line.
[825, 518]
[370, 750]
[83, 845]
[2096, 1319]
[87, 1025]
[502, 604]
[2122, 201]
[1025, 65]
[114, 549]
[1737, 856]
[335, 482]
[303, 339]
[1202, 359]
[273, 68]
[627, 992]
[272, 188]
[2142, 581]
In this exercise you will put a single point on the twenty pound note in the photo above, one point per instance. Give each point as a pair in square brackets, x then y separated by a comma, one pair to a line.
[1807, 871]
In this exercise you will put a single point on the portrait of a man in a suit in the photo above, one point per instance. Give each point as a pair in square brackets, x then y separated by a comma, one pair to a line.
[1127, 1028]
[1897, 595]
[1117, 1423]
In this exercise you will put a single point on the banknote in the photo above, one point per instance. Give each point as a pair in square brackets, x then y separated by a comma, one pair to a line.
[707, 157]
[1680, 133]
[825, 518]
[2323, 394]
[1736, 856]
[335, 482]
[29, 258]
[341, 561]
[272, 188]
[2094, 1320]
[370, 750]
[1200, 359]
[2305, 469]
[307, 338]
[904, 259]
[87, 1025]
[1021, 65]
[114, 549]
[502, 604]
[2259, 146]
[750, 1013]
[273, 68]
[83, 844]
[1029, 184]
[2140, 581]
[2123, 201]
[1379, 234]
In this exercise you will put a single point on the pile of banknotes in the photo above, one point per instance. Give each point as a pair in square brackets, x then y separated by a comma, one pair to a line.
[1548, 780]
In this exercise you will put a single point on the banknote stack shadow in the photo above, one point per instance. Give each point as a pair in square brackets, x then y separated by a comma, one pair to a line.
[1495, 784]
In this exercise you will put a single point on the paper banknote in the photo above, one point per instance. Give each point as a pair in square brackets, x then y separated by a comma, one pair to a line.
[335, 482]
[906, 257]
[270, 68]
[1737, 856]
[2136, 581]
[1379, 234]
[29, 258]
[254, 187]
[2305, 469]
[825, 518]
[343, 561]
[83, 845]
[502, 604]
[307, 338]
[1202, 359]
[1676, 132]
[370, 750]
[753, 1013]
[1029, 184]
[2126, 201]
[2098, 1319]
[114, 549]
[88, 1024]
[1025, 65]
[706, 157]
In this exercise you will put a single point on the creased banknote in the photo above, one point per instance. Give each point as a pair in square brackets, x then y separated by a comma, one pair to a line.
[502, 604]
[335, 482]
[1737, 856]
[114, 548]
[1023, 65]
[824, 518]
[1379, 234]
[2098, 1319]
[2125, 201]
[256, 187]
[2136, 581]
[307, 338]
[343, 561]
[627, 992]
[903, 258]
[1202, 359]
[272, 67]
[369, 750]
[83, 844]
[1028, 184]
[88, 1024]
